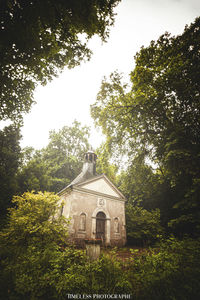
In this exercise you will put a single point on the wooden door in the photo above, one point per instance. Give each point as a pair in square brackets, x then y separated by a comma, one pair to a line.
[100, 226]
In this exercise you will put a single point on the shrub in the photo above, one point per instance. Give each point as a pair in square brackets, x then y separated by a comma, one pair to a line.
[37, 263]
[31, 245]
[143, 226]
[173, 272]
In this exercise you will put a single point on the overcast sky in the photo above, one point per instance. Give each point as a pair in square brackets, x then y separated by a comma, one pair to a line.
[69, 96]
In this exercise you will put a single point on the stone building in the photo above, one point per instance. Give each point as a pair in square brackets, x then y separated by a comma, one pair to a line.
[95, 206]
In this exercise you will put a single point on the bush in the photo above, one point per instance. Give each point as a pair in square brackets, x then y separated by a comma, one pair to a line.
[143, 226]
[37, 264]
[31, 246]
[104, 276]
[107, 276]
[173, 272]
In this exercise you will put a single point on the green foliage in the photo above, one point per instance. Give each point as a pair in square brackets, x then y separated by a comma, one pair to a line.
[39, 38]
[35, 216]
[106, 276]
[33, 175]
[147, 188]
[55, 166]
[171, 272]
[103, 163]
[84, 277]
[31, 244]
[9, 163]
[143, 226]
[159, 116]
[37, 263]
[140, 184]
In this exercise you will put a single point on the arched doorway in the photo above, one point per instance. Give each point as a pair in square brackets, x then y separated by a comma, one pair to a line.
[100, 225]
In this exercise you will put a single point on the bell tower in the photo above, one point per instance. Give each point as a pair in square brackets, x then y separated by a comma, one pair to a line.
[90, 163]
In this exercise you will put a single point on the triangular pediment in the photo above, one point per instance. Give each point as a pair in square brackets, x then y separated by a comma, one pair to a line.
[101, 185]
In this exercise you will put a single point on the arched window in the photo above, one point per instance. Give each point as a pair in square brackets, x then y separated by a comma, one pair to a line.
[82, 223]
[116, 225]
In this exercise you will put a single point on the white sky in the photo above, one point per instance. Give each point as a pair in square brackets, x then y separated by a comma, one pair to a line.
[69, 97]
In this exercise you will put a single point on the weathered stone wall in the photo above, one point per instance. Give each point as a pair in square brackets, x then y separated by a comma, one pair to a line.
[80, 204]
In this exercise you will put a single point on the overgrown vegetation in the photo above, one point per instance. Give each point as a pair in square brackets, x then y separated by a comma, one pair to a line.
[171, 272]
[37, 263]
[156, 124]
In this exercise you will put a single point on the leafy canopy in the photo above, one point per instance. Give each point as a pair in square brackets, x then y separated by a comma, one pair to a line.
[104, 165]
[160, 117]
[143, 226]
[55, 166]
[39, 38]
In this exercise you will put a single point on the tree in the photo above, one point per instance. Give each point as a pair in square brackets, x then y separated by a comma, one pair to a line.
[143, 226]
[33, 175]
[142, 188]
[39, 38]
[160, 116]
[54, 167]
[10, 155]
[148, 188]
[30, 245]
[140, 184]
[103, 163]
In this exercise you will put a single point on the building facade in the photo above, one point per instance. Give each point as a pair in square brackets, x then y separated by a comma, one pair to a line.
[95, 206]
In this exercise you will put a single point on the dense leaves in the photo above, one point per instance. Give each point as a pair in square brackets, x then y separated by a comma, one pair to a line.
[104, 163]
[155, 124]
[160, 117]
[171, 272]
[30, 243]
[10, 155]
[37, 263]
[140, 184]
[55, 166]
[39, 38]
[143, 227]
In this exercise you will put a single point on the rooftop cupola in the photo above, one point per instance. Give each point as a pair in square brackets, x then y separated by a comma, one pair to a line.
[90, 163]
